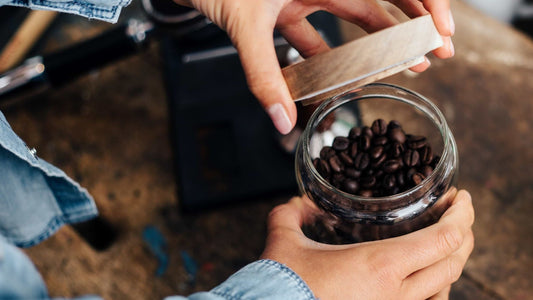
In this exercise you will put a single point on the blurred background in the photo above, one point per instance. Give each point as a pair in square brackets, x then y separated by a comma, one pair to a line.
[150, 129]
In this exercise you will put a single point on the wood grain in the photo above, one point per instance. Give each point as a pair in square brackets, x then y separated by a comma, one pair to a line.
[362, 61]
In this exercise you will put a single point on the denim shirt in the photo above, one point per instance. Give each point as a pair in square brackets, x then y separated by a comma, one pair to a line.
[106, 10]
[37, 198]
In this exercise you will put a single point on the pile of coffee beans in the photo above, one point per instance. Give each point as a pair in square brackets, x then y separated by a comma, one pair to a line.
[376, 161]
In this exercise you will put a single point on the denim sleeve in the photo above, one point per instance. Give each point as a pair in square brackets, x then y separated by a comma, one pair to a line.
[36, 198]
[105, 10]
[19, 279]
[263, 279]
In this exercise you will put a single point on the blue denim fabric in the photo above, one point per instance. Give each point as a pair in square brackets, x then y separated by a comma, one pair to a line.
[19, 279]
[36, 198]
[262, 279]
[106, 10]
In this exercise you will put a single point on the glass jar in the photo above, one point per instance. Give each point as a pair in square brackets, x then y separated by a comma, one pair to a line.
[348, 218]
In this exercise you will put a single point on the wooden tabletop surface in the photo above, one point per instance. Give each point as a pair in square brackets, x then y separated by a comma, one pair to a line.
[109, 131]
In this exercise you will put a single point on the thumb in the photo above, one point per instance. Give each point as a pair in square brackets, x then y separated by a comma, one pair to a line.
[255, 44]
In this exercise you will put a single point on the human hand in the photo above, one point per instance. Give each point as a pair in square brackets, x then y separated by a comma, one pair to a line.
[250, 25]
[420, 265]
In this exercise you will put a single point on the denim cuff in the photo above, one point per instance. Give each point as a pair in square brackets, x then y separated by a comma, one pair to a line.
[36, 198]
[105, 10]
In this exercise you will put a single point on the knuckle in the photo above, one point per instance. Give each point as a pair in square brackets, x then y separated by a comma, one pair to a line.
[382, 266]
[454, 270]
[449, 238]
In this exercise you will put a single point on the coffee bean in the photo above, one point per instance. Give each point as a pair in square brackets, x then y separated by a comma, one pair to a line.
[417, 178]
[396, 149]
[345, 158]
[365, 193]
[379, 127]
[337, 179]
[361, 161]
[389, 181]
[409, 174]
[416, 142]
[354, 133]
[353, 150]
[411, 157]
[396, 134]
[376, 152]
[326, 152]
[391, 165]
[367, 131]
[323, 169]
[341, 143]
[367, 182]
[400, 179]
[335, 164]
[364, 142]
[350, 186]
[394, 124]
[426, 154]
[352, 172]
[426, 170]
[376, 163]
[379, 140]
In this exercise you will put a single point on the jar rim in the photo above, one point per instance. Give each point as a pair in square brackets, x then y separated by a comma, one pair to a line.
[438, 119]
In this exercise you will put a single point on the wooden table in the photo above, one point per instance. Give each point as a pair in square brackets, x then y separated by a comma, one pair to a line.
[109, 131]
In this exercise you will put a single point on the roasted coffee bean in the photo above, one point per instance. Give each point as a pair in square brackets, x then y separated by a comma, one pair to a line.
[354, 133]
[426, 170]
[400, 179]
[326, 152]
[365, 142]
[379, 127]
[379, 173]
[352, 151]
[365, 193]
[396, 134]
[323, 168]
[335, 164]
[409, 174]
[426, 154]
[376, 163]
[341, 143]
[389, 181]
[376, 152]
[411, 157]
[379, 140]
[367, 131]
[417, 178]
[396, 149]
[394, 124]
[391, 165]
[350, 186]
[368, 182]
[352, 172]
[361, 161]
[337, 179]
[345, 158]
[416, 141]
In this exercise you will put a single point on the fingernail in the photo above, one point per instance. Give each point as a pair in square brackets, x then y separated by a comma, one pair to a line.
[452, 24]
[452, 48]
[427, 61]
[280, 118]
